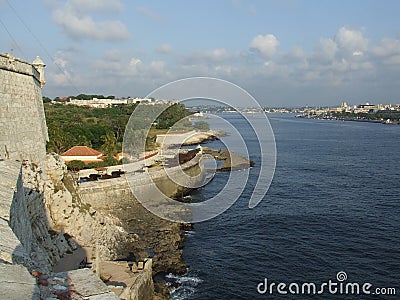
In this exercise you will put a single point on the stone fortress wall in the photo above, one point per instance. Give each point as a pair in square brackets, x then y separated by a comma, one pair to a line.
[25, 241]
[22, 121]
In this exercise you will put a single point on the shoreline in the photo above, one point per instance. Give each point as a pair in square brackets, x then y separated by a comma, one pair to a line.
[385, 122]
[204, 136]
[152, 237]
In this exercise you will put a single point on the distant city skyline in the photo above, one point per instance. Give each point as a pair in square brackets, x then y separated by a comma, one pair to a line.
[284, 53]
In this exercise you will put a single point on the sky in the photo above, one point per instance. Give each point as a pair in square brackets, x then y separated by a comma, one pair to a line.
[282, 52]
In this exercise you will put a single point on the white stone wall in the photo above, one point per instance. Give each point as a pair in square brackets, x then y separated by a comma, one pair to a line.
[173, 139]
[22, 122]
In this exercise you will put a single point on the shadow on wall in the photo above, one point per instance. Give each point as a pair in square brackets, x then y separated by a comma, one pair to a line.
[29, 248]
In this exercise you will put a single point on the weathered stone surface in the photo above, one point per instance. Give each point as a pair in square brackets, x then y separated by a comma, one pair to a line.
[69, 214]
[89, 285]
[143, 288]
[17, 283]
[8, 243]
[10, 173]
[22, 121]
[74, 285]
[187, 138]
[232, 161]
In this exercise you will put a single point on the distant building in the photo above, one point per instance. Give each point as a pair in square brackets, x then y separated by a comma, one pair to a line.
[82, 153]
[99, 103]
[104, 103]
[366, 106]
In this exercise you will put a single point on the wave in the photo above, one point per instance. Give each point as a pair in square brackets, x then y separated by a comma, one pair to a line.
[185, 285]
[189, 233]
[182, 292]
[184, 279]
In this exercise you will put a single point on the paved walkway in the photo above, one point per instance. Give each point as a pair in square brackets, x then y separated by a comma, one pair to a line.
[72, 261]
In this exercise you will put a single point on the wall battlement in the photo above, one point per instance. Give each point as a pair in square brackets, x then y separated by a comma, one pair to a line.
[13, 64]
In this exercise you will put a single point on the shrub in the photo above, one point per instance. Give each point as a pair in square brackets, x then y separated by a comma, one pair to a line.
[75, 165]
[202, 125]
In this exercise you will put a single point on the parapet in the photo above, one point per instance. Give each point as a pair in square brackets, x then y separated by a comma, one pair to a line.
[13, 64]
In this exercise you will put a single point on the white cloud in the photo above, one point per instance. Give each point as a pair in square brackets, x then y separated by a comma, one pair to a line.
[212, 56]
[117, 64]
[97, 5]
[244, 7]
[387, 47]
[135, 62]
[326, 50]
[358, 53]
[155, 69]
[351, 40]
[164, 49]
[60, 71]
[345, 63]
[392, 60]
[387, 52]
[265, 44]
[149, 13]
[78, 23]
[215, 55]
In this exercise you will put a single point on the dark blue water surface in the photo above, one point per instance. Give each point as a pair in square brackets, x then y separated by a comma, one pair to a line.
[333, 205]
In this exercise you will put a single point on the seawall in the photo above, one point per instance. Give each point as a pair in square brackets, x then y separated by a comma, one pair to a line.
[156, 237]
[116, 192]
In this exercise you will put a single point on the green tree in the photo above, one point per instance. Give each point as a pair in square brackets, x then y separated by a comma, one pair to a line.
[109, 147]
[110, 161]
[173, 114]
[75, 165]
[70, 125]
[58, 140]
[46, 99]
[93, 165]
[202, 125]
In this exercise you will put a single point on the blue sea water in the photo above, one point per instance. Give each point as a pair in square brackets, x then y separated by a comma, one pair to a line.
[333, 206]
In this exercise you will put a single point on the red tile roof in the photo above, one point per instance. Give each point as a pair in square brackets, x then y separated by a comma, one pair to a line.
[81, 151]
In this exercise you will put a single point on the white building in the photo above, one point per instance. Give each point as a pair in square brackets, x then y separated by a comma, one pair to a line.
[82, 153]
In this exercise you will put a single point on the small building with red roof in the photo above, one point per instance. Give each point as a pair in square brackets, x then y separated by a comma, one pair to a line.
[82, 153]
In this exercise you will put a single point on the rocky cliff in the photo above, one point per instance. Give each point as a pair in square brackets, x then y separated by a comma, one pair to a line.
[68, 213]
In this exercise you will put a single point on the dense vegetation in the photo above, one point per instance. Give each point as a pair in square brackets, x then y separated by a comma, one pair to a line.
[201, 125]
[103, 128]
[372, 116]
